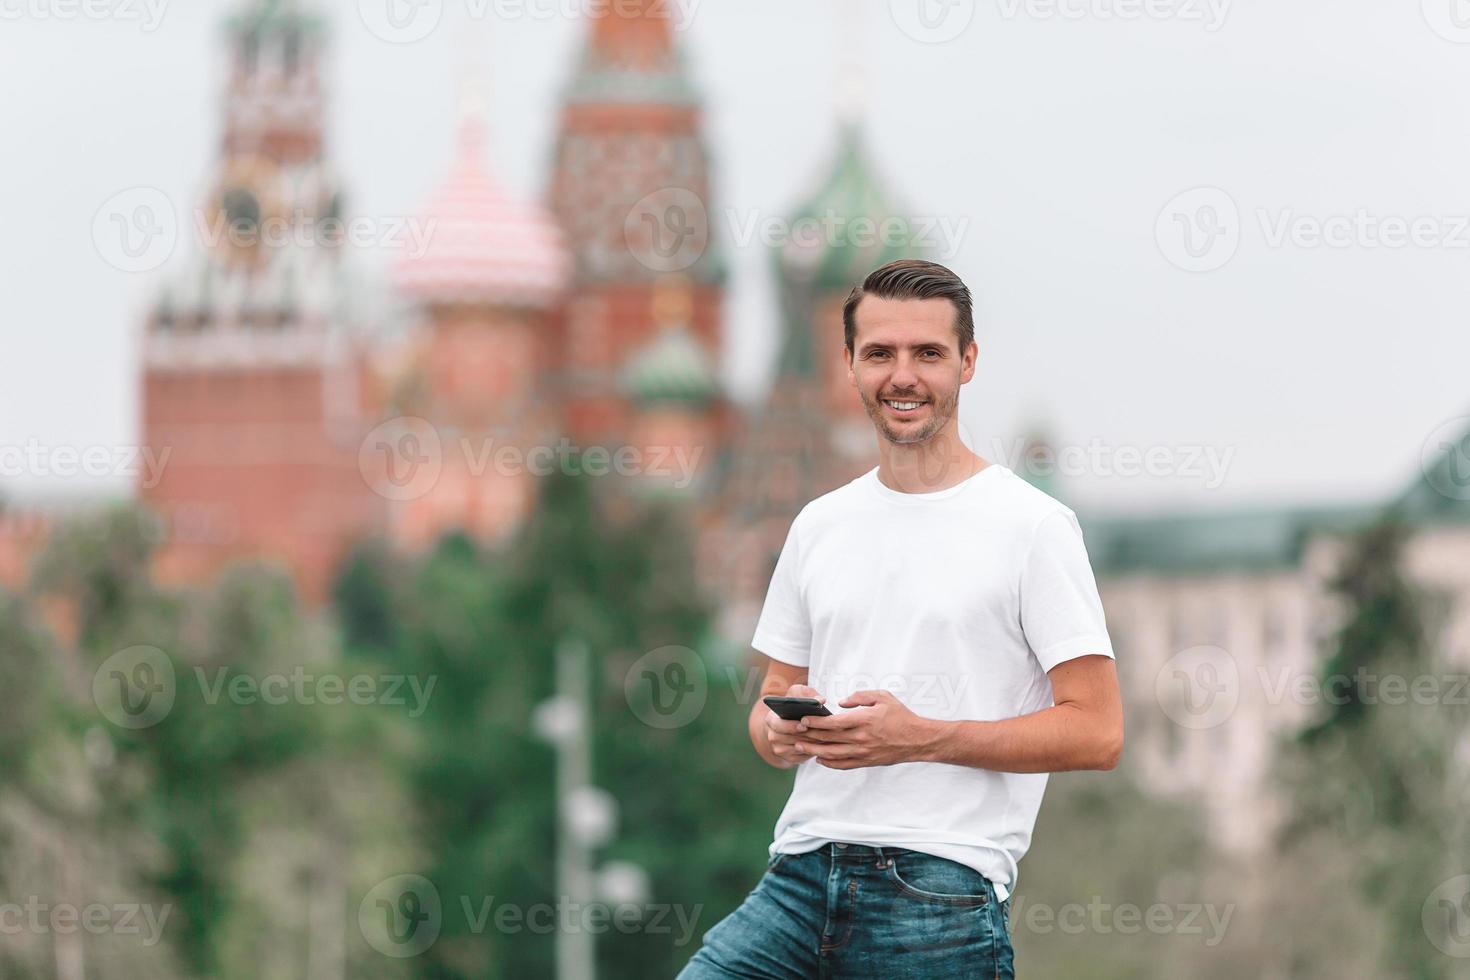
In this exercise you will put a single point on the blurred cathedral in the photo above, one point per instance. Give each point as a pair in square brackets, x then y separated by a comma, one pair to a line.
[596, 317]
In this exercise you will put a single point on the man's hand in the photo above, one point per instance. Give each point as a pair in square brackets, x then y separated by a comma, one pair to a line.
[781, 734]
[881, 732]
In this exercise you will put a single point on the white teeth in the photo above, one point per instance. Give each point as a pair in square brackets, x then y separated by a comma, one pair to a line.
[904, 406]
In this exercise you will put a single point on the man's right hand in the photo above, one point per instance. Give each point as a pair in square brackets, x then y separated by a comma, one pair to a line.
[781, 734]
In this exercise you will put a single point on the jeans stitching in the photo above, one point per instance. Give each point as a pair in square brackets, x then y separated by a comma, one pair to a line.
[968, 901]
[831, 880]
[995, 953]
[852, 887]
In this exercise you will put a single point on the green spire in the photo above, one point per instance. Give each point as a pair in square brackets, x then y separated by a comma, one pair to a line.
[844, 231]
[270, 16]
[850, 226]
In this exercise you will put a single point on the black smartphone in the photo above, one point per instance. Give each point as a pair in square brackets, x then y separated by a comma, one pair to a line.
[795, 709]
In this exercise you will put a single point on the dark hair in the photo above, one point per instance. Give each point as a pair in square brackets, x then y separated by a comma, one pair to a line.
[913, 279]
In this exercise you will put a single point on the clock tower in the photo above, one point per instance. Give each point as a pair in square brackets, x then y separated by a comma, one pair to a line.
[254, 379]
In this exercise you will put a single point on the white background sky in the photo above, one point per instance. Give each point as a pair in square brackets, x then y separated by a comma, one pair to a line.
[1060, 139]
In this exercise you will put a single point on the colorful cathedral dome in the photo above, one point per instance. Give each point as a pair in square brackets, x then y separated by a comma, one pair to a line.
[671, 368]
[673, 365]
[484, 246]
[850, 226]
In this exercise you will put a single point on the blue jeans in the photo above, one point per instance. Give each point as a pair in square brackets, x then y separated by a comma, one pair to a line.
[853, 911]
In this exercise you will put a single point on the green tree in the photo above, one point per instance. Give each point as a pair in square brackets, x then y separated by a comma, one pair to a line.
[1375, 774]
[485, 624]
[62, 775]
[250, 819]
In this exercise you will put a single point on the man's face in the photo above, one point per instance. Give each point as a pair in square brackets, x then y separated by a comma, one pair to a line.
[905, 351]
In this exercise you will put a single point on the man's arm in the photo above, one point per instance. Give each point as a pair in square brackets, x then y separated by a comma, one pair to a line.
[763, 724]
[1083, 729]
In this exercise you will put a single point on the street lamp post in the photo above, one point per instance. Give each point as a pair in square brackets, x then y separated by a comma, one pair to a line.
[586, 815]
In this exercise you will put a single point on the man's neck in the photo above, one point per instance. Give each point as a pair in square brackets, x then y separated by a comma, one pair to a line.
[938, 464]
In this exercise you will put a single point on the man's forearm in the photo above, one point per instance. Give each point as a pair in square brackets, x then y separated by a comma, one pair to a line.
[1057, 739]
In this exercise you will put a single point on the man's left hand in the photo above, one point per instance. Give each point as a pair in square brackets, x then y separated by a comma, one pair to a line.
[880, 732]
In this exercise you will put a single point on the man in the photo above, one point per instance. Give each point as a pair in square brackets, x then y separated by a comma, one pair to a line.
[947, 610]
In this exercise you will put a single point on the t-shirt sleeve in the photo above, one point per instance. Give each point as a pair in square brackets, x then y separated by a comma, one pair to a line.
[1061, 612]
[784, 630]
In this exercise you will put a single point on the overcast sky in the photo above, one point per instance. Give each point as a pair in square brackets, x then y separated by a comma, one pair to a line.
[1057, 137]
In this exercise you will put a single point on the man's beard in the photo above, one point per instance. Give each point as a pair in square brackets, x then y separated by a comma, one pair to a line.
[941, 410]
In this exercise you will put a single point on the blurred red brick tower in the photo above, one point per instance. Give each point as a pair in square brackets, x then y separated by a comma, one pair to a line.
[631, 188]
[253, 378]
[677, 412]
[486, 288]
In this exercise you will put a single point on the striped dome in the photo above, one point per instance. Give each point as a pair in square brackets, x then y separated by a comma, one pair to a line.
[484, 246]
[672, 367]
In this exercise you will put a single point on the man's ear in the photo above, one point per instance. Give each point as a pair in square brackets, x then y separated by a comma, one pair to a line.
[847, 359]
[970, 359]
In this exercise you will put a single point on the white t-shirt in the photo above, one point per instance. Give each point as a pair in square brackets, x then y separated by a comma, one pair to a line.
[958, 602]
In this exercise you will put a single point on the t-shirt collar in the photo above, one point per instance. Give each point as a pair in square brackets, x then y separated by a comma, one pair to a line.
[898, 496]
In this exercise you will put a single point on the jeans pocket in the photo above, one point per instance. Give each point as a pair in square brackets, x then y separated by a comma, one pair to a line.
[936, 879]
[772, 863]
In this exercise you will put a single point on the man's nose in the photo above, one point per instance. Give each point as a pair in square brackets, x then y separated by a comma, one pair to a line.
[904, 375]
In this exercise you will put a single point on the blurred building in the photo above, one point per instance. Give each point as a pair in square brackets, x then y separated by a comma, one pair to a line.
[255, 373]
[1219, 618]
[295, 428]
[630, 185]
[486, 294]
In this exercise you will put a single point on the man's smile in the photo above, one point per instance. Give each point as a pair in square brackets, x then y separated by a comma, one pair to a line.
[904, 408]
